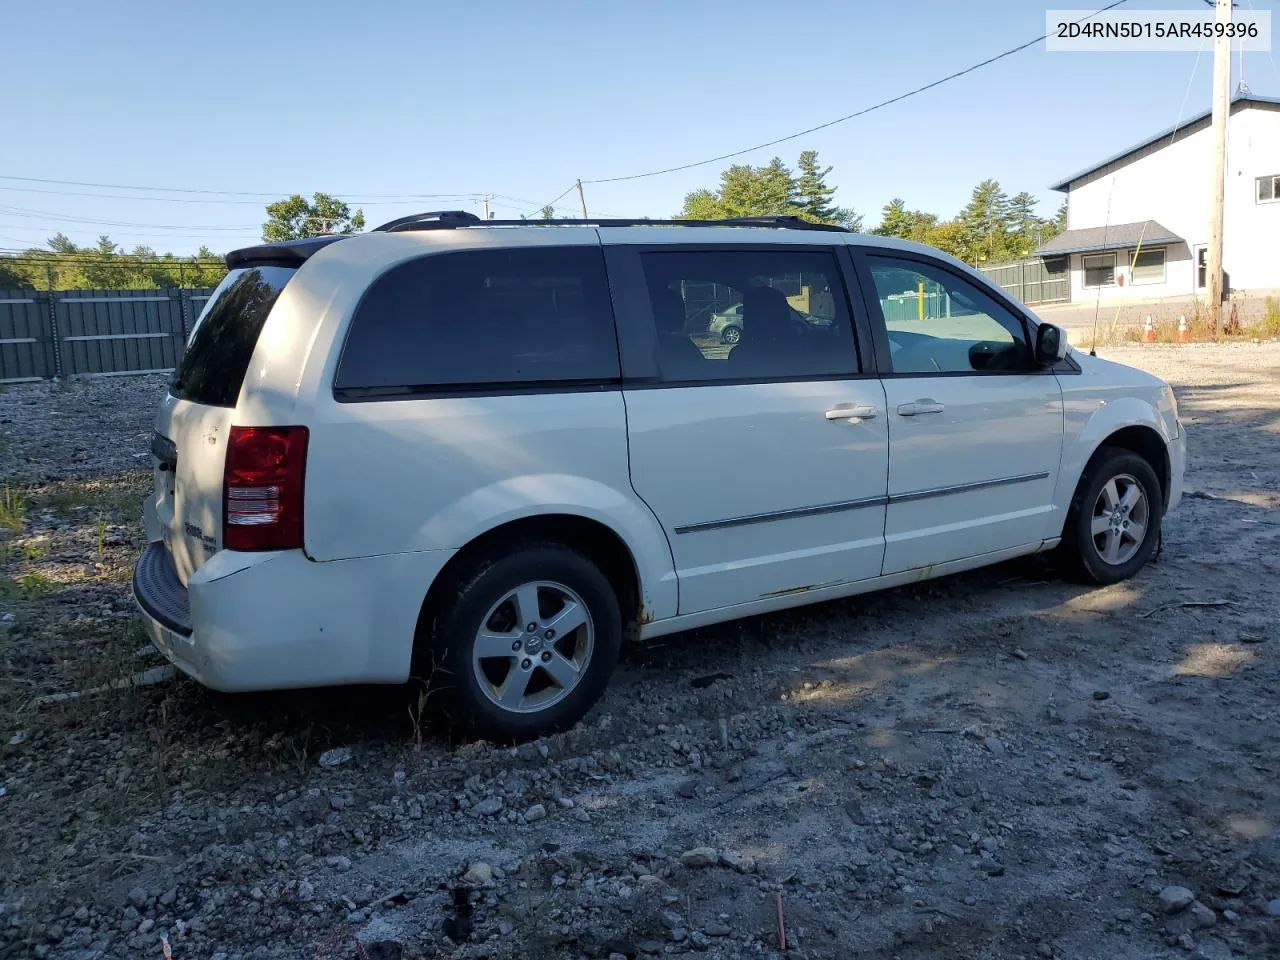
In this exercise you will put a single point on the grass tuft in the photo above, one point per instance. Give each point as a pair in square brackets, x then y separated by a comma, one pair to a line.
[13, 510]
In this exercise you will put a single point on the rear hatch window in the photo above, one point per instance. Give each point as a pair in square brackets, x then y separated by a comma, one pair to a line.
[217, 357]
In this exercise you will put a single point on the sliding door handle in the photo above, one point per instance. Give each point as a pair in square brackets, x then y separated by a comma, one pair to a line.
[919, 407]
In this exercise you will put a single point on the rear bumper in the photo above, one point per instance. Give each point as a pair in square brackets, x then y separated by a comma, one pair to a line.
[271, 621]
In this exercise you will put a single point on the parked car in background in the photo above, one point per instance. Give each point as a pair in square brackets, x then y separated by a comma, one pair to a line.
[726, 325]
[483, 453]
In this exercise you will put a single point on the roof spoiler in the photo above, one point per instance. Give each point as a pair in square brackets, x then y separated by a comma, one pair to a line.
[286, 253]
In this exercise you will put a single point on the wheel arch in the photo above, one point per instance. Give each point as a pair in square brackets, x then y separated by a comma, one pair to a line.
[596, 540]
[1146, 443]
[1128, 423]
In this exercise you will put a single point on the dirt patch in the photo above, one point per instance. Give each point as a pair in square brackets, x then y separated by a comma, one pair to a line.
[992, 765]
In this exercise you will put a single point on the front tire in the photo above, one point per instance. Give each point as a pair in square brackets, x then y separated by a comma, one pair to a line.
[1113, 526]
[525, 644]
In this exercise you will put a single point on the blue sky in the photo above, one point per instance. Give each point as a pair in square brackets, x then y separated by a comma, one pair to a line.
[383, 102]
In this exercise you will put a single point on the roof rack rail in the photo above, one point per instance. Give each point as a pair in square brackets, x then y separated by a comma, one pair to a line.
[432, 218]
[451, 219]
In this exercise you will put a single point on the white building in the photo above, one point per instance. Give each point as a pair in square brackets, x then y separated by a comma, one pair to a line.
[1138, 222]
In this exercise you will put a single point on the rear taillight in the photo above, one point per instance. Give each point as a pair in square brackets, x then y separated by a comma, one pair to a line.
[262, 488]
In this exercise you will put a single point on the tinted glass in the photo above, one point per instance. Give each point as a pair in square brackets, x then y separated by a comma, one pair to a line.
[940, 323]
[483, 318]
[749, 315]
[218, 352]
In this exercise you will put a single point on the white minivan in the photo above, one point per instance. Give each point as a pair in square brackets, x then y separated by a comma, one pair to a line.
[483, 453]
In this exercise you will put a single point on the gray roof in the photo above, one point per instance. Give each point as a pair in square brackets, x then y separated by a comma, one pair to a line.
[1117, 236]
[1239, 101]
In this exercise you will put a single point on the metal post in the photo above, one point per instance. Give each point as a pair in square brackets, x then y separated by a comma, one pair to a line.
[582, 201]
[53, 323]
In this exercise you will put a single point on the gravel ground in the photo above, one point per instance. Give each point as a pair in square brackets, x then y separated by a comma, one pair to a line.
[998, 764]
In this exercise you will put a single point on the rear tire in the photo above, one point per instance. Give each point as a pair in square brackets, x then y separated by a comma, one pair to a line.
[504, 681]
[1113, 526]
[731, 335]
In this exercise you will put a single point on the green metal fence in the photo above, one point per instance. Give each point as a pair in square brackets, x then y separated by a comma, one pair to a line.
[78, 333]
[1033, 281]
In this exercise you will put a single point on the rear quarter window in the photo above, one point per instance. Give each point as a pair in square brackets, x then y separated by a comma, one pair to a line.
[221, 345]
[482, 320]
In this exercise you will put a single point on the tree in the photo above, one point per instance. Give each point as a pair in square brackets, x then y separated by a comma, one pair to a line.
[1028, 229]
[746, 191]
[772, 190]
[295, 218]
[1022, 213]
[815, 196]
[548, 212]
[948, 237]
[64, 265]
[701, 205]
[13, 279]
[897, 221]
[985, 220]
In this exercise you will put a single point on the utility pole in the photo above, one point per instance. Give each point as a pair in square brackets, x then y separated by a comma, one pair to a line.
[582, 201]
[486, 199]
[1221, 111]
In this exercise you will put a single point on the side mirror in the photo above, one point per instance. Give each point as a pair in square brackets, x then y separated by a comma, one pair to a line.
[1051, 344]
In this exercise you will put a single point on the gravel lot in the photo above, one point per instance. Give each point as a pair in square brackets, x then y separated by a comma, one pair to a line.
[998, 764]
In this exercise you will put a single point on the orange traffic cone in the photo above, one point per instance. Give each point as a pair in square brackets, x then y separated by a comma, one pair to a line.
[1183, 333]
[1148, 331]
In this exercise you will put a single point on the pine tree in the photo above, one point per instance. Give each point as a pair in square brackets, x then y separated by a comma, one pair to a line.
[985, 220]
[814, 195]
[812, 190]
[1022, 213]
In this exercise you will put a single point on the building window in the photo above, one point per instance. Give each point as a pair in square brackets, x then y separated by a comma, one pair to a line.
[1268, 188]
[1202, 266]
[1148, 267]
[1100, 270]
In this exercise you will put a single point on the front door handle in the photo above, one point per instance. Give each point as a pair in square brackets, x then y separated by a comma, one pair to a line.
[851, 411]
[919, 407]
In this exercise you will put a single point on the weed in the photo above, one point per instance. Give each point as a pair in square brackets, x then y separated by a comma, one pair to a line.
[415, 716]
[119, 495]
[33, 586]
[13, 510]
[102, 534]
[299, 748]
[34, 550]
[1269, 325]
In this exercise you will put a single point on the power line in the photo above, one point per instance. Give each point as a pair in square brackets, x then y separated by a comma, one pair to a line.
[27, 212]
[858, 113]
[572, 186]
[233, 193]
[360, 201]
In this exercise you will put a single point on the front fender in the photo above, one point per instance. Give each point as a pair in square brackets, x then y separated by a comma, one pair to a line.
[1088, 425]
[533, 495]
